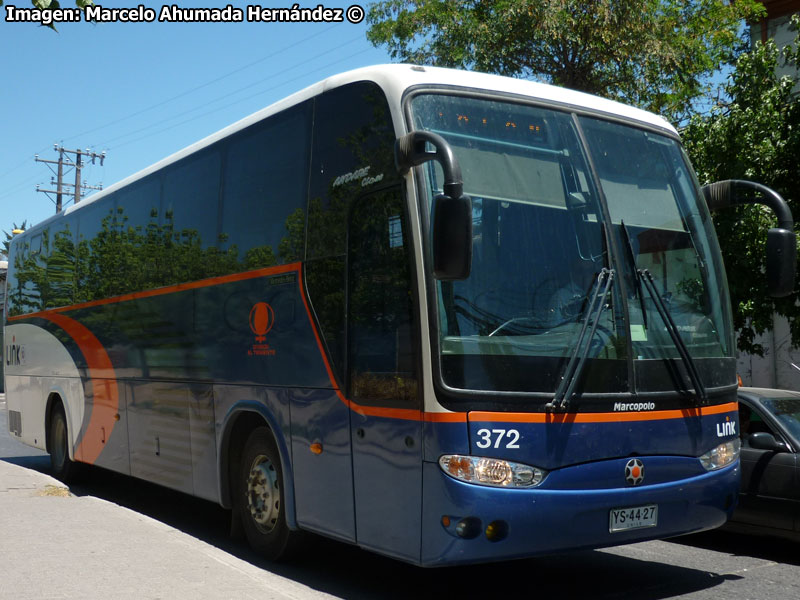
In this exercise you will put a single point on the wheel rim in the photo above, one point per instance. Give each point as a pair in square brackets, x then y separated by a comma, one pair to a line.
[263, 496]
[59, 443]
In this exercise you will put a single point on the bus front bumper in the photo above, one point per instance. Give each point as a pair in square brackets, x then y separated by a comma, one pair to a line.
[465, 523]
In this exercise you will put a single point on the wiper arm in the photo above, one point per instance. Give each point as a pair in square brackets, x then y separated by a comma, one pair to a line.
[632, 257]
[672, 329]
[576, 364]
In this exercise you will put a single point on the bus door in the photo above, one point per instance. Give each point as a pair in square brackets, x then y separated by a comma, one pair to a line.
[385, 421]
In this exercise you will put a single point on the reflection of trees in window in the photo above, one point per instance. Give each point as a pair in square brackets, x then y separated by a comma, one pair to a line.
[122, 258]
[265, 189]
[381, 365]
[354, 145]
[353, 154]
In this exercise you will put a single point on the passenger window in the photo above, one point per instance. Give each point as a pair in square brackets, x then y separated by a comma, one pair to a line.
[191, 198]
[266, 182]
[26, 279]
[189, 210]
[60, 267]
[97, 270]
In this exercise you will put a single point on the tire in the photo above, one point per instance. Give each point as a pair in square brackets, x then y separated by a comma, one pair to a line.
[63, 467]
[260, 500]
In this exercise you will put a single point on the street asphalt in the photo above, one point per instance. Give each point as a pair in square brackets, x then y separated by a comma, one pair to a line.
[54, 545]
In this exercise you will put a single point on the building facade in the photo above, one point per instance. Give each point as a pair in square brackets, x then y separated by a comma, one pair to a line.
[776, 25]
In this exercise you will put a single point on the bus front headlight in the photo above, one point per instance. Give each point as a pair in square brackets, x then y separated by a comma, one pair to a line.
[721, 456]
[493, 472]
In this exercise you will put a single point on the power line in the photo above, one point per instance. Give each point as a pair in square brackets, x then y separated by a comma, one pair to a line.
[206, 84]
[19, 186]
[205, 114]
[63, 160]
[110, 141]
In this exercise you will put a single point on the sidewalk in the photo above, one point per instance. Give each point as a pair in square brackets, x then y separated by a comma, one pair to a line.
[55, 545]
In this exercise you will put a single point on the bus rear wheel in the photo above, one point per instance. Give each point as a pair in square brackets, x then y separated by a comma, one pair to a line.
[260, 499]
[63, 467]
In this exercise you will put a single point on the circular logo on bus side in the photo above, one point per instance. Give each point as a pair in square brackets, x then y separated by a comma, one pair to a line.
[634, 471]
[262, 318]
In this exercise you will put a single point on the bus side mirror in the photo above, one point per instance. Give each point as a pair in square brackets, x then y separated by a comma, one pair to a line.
[452, 211]
[781, 240]
[452, 237]
[781, 261]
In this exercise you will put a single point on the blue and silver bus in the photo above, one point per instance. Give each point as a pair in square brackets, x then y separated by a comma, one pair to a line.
[449, 317]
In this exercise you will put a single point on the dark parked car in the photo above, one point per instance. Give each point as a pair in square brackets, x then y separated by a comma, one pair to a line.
[769, 499]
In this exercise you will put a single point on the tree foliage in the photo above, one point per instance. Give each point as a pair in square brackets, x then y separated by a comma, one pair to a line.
[655, 54]
[122, 258]
[10, 235]
[753, 134]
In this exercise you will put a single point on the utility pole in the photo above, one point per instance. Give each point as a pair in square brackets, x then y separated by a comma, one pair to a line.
[77, 164]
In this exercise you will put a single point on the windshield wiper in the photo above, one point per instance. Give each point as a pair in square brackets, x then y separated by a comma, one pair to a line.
[644, 276]
[691, 368]
[597, 304]
[632, 257]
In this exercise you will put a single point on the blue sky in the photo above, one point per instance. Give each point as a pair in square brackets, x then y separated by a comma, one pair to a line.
[141, 91]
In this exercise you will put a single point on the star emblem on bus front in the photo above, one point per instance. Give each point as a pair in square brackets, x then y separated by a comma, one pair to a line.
[634, 471]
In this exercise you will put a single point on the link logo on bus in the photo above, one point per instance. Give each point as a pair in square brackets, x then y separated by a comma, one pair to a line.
[727, 428]
[15, 354]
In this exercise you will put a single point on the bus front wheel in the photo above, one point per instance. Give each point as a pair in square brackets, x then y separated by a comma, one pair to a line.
[260, 500]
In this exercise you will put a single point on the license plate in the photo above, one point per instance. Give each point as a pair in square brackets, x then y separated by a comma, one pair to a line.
[637, 517]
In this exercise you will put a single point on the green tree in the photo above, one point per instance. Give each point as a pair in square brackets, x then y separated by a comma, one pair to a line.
[754, 134]
[655, 54]
[9, 236]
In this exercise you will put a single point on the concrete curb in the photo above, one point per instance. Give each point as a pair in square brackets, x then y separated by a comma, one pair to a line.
[14, 478]
[57, 545]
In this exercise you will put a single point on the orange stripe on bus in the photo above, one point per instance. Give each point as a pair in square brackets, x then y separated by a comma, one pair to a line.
[430, 417]
[105, 405]
[172, 289]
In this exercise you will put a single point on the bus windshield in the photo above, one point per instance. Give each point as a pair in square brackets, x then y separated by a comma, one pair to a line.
[558, 198]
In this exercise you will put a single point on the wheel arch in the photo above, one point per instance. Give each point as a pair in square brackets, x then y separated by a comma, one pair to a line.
[240, 421]
[56, 398]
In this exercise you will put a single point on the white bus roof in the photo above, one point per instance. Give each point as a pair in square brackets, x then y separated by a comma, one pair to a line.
[395, 79]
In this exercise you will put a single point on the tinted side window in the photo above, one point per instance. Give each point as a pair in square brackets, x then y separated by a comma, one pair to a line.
[189, 215]
[138, 209]
[60, 264]
[24, 279]
[42, 270]
[119, 247]
[382, 364]
[266, 181]
[98, 272]
[353, 154]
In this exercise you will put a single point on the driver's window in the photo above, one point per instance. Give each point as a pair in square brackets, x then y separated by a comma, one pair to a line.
[381, 358]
